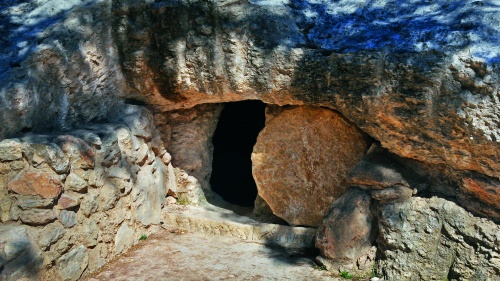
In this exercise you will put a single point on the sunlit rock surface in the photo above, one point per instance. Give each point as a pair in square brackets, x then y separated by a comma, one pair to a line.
[425, 239]
[301, 161]
[420, 77]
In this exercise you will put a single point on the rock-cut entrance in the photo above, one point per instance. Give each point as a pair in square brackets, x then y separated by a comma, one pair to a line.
[234, 138]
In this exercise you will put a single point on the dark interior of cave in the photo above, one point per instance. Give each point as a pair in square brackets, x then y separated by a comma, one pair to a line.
[234, 138]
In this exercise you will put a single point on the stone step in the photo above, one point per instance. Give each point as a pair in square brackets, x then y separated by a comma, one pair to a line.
[217, 221]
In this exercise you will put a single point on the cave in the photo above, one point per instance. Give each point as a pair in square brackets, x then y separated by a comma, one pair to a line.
[233, 141]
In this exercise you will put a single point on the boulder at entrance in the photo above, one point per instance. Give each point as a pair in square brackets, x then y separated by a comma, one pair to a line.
[301, 160]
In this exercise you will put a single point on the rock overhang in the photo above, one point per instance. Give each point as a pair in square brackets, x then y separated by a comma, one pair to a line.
[421, 78]
[419, 102]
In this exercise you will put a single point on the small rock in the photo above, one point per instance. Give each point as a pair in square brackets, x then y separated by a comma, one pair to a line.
[18, 165]
[62, 246]
[82, 156]
[75, 183]
[91, 233]
[141, 151]
[37, 216]
[118, 172]
[14, 241]
[124, 238]
[94, 178]
[392, 194]
[32, 154]
[139, 120]
[34, 182]
[90, 137]
[261, 207]
[120, 176]
[72, 264]
[50, 235]
[68, 200]
[170, 201]
[125, 142]
[89, 204]
[96, 258]
[108, 196]
[4, 168]
[67, 218]
[51, 154]
[14, 212]
[377, 170]
[157, 144]
[26, 202]
[109, 153]
[10, 149]
[166, 158]
[5, 205]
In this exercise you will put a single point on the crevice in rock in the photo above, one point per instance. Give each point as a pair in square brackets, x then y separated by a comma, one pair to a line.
[234, 138]
[135, 102]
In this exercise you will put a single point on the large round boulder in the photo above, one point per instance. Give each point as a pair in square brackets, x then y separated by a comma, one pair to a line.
[301, 160]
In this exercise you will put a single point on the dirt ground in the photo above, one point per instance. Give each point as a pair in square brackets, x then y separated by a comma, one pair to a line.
[176, 255]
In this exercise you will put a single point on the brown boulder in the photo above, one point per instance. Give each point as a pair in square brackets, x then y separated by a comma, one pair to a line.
[44, 184]
[346, 232]
[301, 160]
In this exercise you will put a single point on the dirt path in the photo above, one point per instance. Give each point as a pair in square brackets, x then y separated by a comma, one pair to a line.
[170, 255]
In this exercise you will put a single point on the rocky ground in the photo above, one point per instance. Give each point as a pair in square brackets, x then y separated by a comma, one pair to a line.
[178, 255]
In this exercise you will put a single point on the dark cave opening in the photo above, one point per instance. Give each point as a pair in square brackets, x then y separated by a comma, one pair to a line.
[234, 138]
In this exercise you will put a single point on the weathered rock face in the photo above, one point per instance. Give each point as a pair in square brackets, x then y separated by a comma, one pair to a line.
[395, 95]
[434, 239]
[301, 160]
[424, 91]
[418, 238]
[392, 178]
[187, 134]
[428, 100]
[65, 72]
[425, 88]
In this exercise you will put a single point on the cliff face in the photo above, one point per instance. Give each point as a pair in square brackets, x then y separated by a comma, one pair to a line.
[420, 78]
[59, 66]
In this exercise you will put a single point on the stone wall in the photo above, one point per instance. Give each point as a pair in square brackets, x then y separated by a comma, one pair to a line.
[72, 201]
